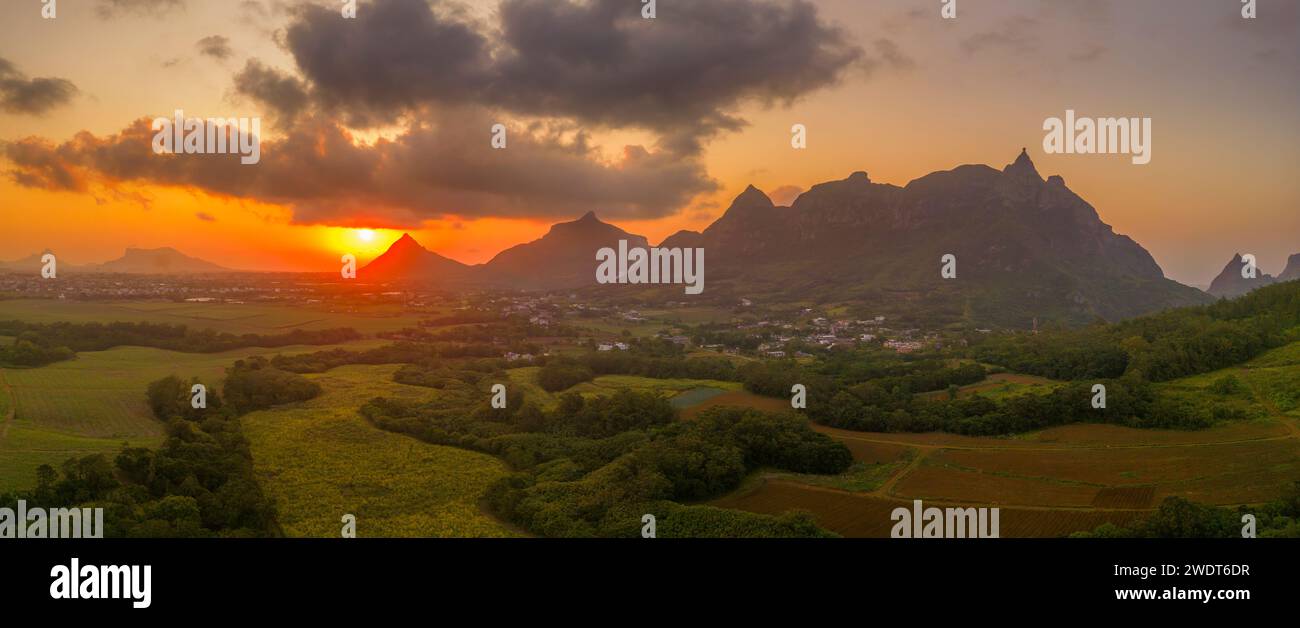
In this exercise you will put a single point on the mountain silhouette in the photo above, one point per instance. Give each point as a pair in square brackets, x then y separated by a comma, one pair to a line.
[1230, 284]
[1025, 246]
[406, 259]
[1292, 271]
[159, 261]
[564, 258]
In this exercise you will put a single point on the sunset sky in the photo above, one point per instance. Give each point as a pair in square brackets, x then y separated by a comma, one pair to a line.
[383, 123]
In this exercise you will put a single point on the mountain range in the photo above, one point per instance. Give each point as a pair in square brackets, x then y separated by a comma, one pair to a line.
[1026, 247]
[160, 261]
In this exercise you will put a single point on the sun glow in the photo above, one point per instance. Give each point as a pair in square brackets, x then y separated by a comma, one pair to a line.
[365, 235]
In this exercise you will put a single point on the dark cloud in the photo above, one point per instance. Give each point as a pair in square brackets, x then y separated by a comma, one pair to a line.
[596, 62]
[215, 46]
[395, 56]
[427, 172]
[553, 70]
[31, 96]
[109, 9]
[285, 96]
[205, 217]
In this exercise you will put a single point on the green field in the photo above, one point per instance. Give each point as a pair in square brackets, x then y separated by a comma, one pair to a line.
[321, 460]
[96, 402]
[236, 318]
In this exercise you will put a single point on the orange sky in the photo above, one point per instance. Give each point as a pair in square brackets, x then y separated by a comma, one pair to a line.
[1222, 94]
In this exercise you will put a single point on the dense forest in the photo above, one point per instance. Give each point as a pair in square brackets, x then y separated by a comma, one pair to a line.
[1158, 347]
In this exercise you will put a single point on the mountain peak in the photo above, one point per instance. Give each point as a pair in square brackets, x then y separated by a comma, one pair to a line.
[1023, 166]
[1231, 284]
[406, 241]
[589, 217]
[1292, 271]
[752, 197]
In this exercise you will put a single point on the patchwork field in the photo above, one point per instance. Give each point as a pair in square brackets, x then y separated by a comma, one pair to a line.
[1068, 478]
[321, 460]
[96, 402]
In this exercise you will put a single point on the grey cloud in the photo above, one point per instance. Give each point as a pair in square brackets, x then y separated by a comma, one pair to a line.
[31, 96]
[215, 46]
[682, 75]
[285, 96]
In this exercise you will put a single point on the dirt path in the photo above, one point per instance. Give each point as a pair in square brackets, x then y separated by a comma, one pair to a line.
[887, 489]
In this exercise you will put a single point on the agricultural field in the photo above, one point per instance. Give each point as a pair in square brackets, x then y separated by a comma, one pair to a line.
[96, 402]
[235, 318]
[320, 460]
[1001, 385]
[1067, 478]
[868, 515]
[735, 398]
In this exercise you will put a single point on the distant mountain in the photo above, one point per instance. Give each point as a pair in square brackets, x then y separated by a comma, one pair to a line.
[1230, 284]
[161, 261]
[564, 258]
[30, 264]
[406, 259]
[1292, 271]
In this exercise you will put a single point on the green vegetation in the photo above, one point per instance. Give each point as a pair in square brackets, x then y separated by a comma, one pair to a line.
[591, 466]
[1159, 347]
[320, 459]
[199, 483]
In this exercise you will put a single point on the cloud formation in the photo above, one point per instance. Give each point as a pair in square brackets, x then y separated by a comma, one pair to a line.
[428, 171]
[215, 46]
[31, 96]
[597, 63]
[553, 71]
